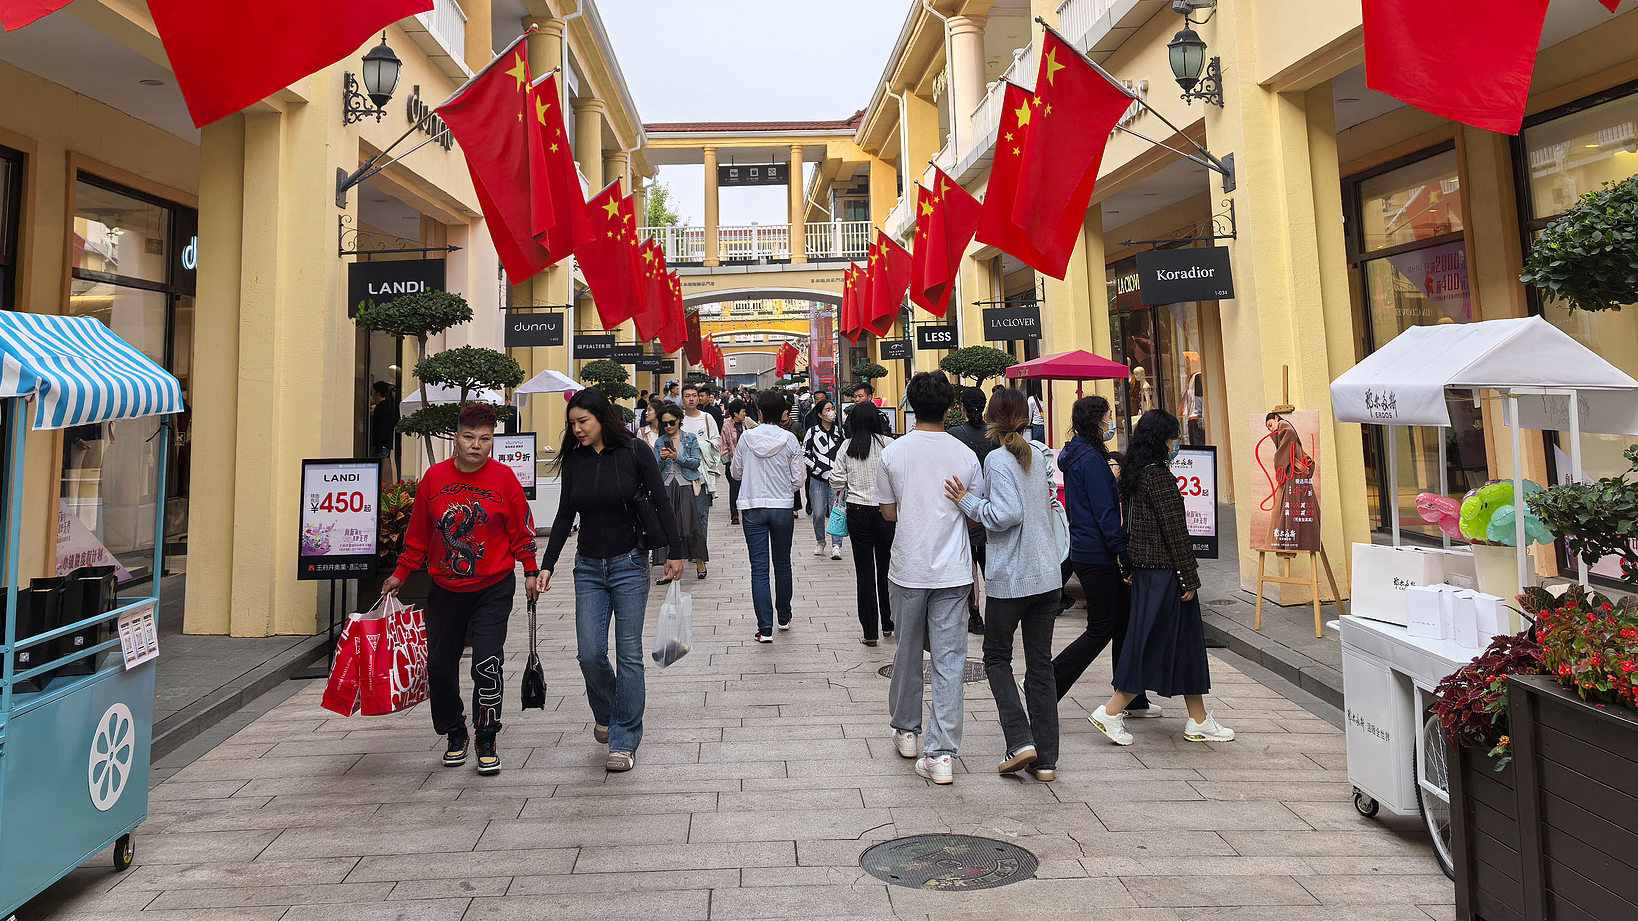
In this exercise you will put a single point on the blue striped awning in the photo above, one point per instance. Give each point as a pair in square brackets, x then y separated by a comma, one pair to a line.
[79, 372]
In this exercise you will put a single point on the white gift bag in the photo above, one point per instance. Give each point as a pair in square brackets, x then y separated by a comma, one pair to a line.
[676, 630]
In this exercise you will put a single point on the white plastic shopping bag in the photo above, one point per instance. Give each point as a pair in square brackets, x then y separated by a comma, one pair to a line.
[676, 631]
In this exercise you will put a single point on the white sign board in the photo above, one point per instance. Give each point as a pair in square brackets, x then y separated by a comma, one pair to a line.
[1196, 470]
[517, 450]
[138, 635]
[340, 518]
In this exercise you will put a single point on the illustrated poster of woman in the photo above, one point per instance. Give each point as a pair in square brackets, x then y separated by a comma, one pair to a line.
[1293, 501]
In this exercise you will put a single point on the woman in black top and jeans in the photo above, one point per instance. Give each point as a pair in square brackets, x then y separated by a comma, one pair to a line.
[600, 473]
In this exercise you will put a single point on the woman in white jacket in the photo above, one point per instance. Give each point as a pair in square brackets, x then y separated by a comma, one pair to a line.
[853, 476]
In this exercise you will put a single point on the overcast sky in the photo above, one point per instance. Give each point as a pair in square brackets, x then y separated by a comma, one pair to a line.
[748, 60]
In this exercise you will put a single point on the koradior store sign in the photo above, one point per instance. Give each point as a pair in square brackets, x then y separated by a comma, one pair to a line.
[382, 281]
[1174, 276]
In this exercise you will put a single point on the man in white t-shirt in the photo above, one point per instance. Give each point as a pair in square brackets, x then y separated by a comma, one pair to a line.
[703, 427]
[930, 575]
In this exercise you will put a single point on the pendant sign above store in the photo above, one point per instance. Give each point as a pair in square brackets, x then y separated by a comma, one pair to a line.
[382, 281]
[755, 174]
[589, 347]
[654, 364]
[533, 330]
[895, 349]
[627, 354]
[1002, 324]
[1174, 276]
[929, 338]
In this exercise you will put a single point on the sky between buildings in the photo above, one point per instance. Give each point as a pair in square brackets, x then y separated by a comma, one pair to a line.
[748, 60]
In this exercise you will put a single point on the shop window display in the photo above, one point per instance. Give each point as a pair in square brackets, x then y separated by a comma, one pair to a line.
[1164, 348]
[1412, 268]
[132, 270]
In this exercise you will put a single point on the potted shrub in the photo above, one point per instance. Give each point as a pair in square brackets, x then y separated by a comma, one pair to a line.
[610, 377]
[1586, 256]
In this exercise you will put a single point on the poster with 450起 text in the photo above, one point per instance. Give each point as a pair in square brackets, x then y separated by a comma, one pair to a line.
[340, 520]
[1285, 513]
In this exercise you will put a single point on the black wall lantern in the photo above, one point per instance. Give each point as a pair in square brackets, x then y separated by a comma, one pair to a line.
[381, 69]
[1187, 54]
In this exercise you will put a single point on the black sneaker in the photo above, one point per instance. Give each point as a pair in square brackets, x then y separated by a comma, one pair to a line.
[455, 752]
[975, 624]
[488, 760]
[764, 637]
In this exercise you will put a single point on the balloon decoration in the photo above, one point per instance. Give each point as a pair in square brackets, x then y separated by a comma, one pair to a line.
[1442, 511]
[1488, 516]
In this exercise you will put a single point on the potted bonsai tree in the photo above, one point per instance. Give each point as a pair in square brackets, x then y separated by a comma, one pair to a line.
[610, 377]
[1586, 256]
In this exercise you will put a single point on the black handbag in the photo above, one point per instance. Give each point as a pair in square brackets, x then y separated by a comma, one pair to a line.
[534, 677]
[650, 535]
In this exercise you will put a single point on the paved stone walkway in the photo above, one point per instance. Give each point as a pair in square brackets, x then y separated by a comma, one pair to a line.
[764, 773]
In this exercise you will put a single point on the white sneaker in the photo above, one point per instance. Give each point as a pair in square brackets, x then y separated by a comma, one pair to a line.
[836, 553]
[1209, 731]
[1150, 712]
[1113, 726]
[909, 746]
[939, 769]
[819, 548]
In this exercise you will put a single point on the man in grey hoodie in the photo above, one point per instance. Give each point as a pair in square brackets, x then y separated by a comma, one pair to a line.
[768, 462]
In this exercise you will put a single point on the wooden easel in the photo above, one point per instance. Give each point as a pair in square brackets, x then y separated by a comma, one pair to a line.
[1315, 560]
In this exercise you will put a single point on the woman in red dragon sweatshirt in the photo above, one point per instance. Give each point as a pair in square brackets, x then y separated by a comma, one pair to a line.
[471, 527]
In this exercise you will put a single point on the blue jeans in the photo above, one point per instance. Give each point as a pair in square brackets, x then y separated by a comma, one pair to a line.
[768, 534]
[616, 587]
[820, 496]
[1037, 431]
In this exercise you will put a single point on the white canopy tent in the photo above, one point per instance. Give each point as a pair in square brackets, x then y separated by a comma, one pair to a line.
[1549, 380]
[547, 381]
[438, 393]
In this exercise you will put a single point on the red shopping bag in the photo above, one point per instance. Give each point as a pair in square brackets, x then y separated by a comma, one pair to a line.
[392, 658]
[341, 694]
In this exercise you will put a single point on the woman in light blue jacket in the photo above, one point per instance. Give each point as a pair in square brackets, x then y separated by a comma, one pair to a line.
[678, 454]
[1022, 581]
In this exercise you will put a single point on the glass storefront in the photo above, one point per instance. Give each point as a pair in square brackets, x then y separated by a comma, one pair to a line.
[1564, 154]
[11, 206]
[1165, 350]
[1411, 258]
[132, 267]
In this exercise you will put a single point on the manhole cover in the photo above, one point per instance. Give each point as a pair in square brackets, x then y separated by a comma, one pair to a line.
[1222, 603]
[948, 862]
[971, 673]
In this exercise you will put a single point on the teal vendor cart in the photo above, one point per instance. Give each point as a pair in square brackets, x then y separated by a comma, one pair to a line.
[75, 722]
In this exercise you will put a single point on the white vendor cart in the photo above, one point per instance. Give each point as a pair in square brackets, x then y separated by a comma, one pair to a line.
[1397, 754]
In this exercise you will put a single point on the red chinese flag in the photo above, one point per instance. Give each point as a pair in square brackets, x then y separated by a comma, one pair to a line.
[692, 346]
[606, 249]
[1076, 107]
[654, 291]
[208, 42]
[487, 116]
[1612, 4]
[558, 235]
[946, 219]
[995, 225]
[674, 334]
[15, 14]
[889, 280]
[1410, 47]
[850, 284]
[852, 327]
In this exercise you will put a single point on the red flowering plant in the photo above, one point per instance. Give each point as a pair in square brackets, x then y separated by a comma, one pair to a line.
[1471, 703]
[1589, 642]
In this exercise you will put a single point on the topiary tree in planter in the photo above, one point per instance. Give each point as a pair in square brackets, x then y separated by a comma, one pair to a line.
[1589, 256]
[866, 371]
[610, 377]
[697, 378]
[978, 363]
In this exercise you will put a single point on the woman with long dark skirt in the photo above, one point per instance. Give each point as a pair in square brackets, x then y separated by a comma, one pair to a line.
[678, 454]
[1097, 544]
[1165, 648]
[602, 469]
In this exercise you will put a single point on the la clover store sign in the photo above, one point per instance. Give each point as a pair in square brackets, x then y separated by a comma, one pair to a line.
[382, 281]
[1175, 276]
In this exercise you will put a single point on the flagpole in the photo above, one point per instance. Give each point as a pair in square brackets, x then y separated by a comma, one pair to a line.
[1211, 161]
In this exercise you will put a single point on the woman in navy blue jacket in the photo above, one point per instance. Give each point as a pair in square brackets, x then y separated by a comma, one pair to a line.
[1097, 544]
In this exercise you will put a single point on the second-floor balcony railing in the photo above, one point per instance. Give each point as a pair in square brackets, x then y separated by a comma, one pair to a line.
[1077, 17]
[754, 242]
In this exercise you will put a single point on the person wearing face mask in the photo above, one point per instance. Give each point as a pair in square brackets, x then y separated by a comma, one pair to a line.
[1165, 647]
[1097, 545]
[819, 448]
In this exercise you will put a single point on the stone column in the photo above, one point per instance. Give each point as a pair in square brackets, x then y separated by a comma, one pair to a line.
[588, 140]
[798, 209]
[712, 256]
[966, 72]
[545, 46]
[479, 35]
[615, 163]
[552, 287]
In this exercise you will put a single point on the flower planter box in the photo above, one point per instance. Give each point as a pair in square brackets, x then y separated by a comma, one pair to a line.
[1569, 848]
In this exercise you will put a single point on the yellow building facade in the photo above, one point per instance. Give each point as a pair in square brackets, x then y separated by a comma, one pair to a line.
[1350, 218]
[225, 253]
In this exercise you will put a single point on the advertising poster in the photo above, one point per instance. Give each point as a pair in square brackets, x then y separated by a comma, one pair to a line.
[340, 519]
[1285, 514]
[1196, 470]
[517, 450]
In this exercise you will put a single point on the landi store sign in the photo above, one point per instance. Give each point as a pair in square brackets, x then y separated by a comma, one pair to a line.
[383, 281]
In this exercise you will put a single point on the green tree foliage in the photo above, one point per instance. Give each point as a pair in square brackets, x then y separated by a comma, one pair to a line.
[977, 363]
[1595, 520]
[418, 316]
[610, 377]
[1589, 256]
[468, 371]
[697, 377]
[659, 211]
[868, 371]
